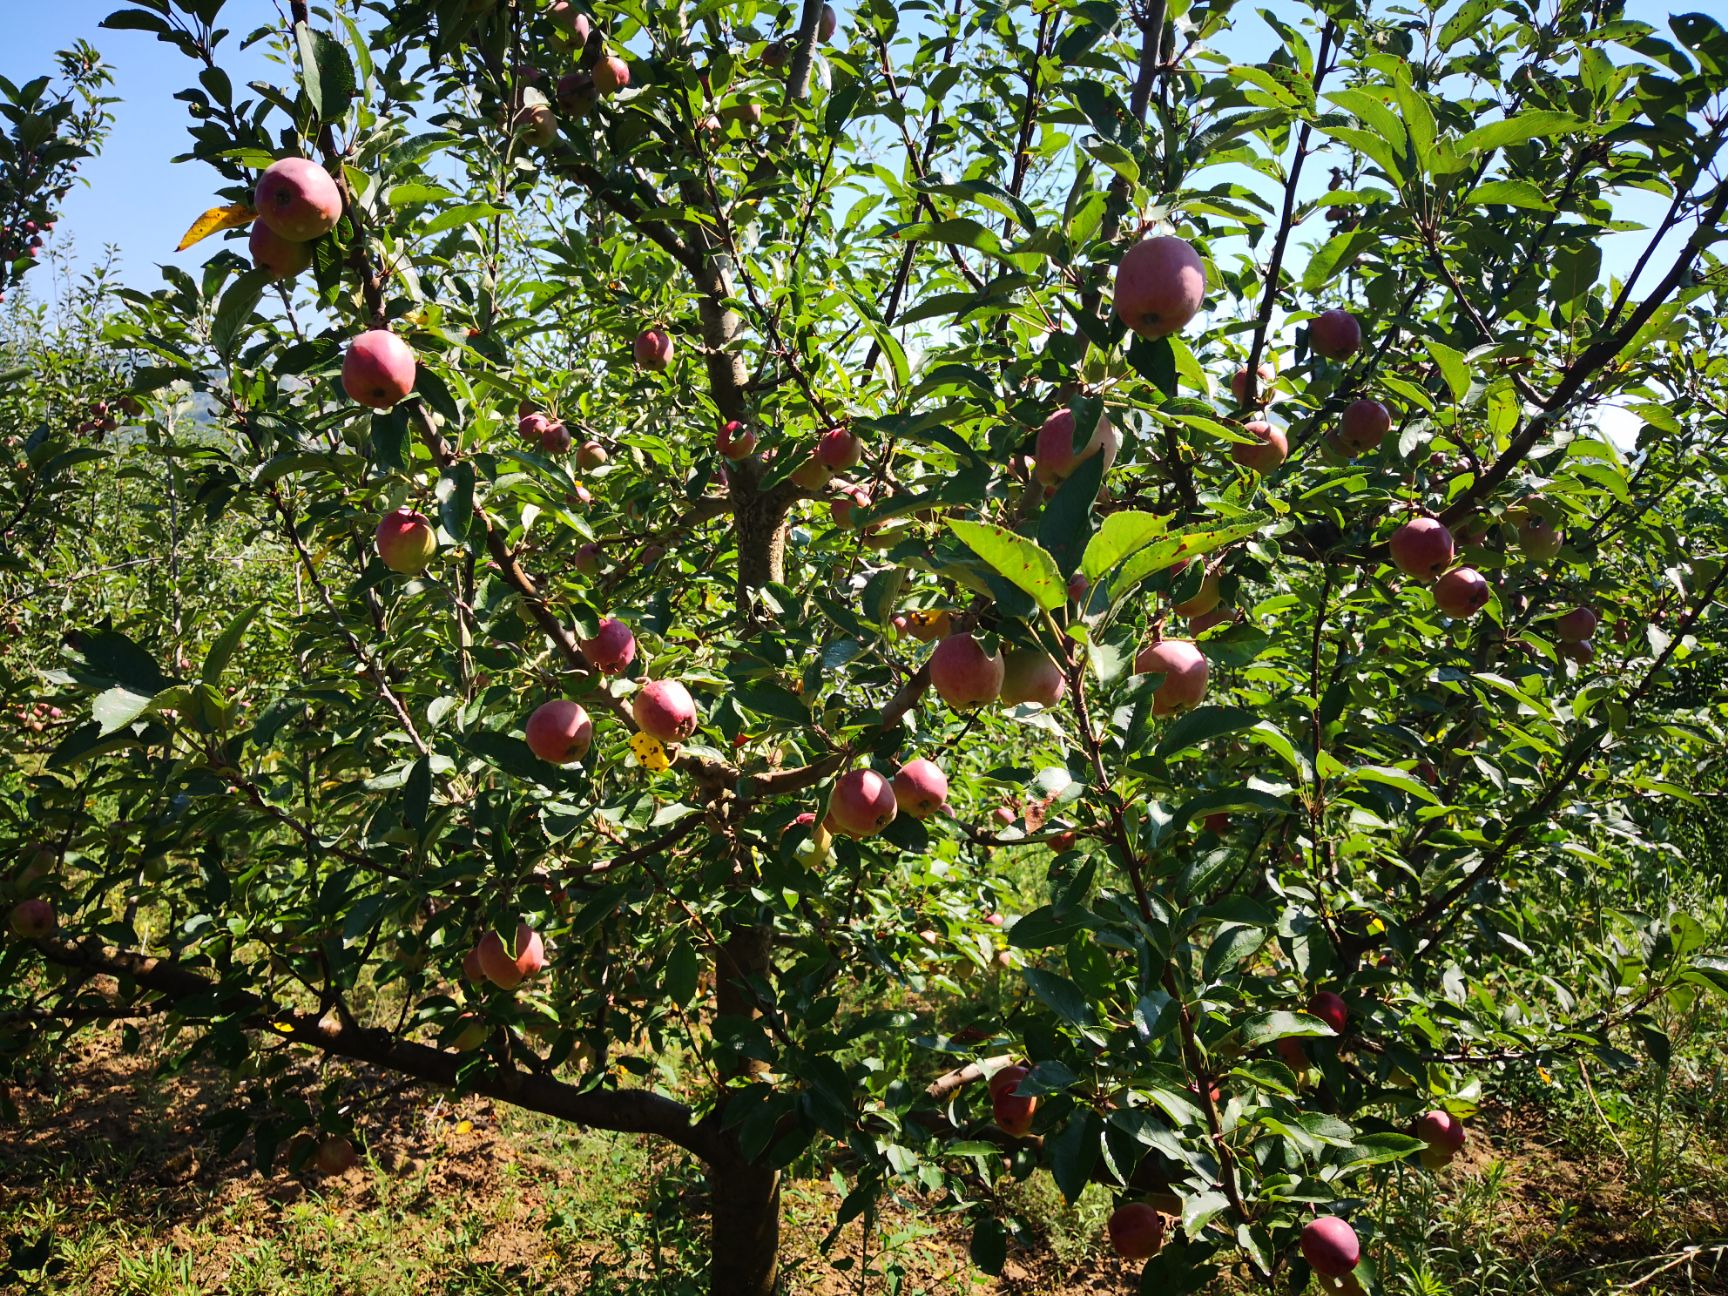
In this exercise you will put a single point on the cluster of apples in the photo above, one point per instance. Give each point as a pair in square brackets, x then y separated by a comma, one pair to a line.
[862, 803]
[561, 731]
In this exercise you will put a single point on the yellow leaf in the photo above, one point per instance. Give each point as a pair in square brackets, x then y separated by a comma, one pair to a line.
[650, 753]
[217, 218]
[464, 1127]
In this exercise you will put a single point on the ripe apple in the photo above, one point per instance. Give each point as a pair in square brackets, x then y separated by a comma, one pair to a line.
[378, 369]
[964, 674]
[735, 441]
[921, 788]
[1364, 425]
[612, 648]
[1330, 1246]
[1136, 1231]
[1007, 1080]
[298, 200]
[281, 258]
[335, 1155]
[1077, 587]
[862, 803]
[842, 509]
[406, 541]
[1331, 1009]
[505, 967]
[1582, 651]
[1422, 548]
[812, 474]
[827, 24]
[559, 731]
[1202, 601]
[664, 709]
[839, 448]
[1004, 815]
[1263, 388]
[32, 919]
[555, 439]
[1056, 457]
[471, 969]
[1461, 593]
[1575, 626]
[576, 94]
[1272, 449]
[1444, 1134]
[535, 122]
[472, 1033]
[1160, 286]
[1538, 537]
[774, 55]
[569, 22]
[532, 425]
[1029, 675]
[1013, 1113]
[1293, 1055]
[1184, 669]
[1217, 823]
[652, 349]
[592, 455]
[612, 74]
[1334, 334]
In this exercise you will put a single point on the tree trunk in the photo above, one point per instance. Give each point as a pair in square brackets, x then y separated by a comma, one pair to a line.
[746, 1237]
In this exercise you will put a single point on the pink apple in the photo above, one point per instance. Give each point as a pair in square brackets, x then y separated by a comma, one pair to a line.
[507, 967]
[1538, 537]
[379, 369]
[1575, 626]
[1184, 670]
[32, 919]
[735, 441]
[612, 648]
[1203, 599]
[555, 439]
[569, 21]
[1461, 593]
[612, 74]
[298, 199]
[1444, 1134]
[1364, 425]
[1271, 448]
[1422, 548]
[1136, 1231]
[471, 969]
[588, 559]
[862, 803]
[592, 455]
[1263, 388]
[532, 425]
[1331, 1009]
[664, 709]
[1056, 457]
[1029, 675]
[1013, 1113]
[812, 474]
[1007, 1080]
[1160, 286]
[1582, 651]
[1334, 334]
[964, 674]
[559, 731]
[1077, 587]
[406, 541]
[839, 448]
[652, 349]
[1330, 1246]
[281, 258]
[842, 509]
[921, 788]
[576, 94]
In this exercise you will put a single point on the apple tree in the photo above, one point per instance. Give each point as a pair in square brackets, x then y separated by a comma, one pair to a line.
[737, 498]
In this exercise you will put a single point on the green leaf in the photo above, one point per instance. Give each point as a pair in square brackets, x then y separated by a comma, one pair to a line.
[456, 498]
[417, 794]
[989, 1248]
[118, 707]
[466, 214]
[1261, 1029]
[1518, 130]
[1021, 562]
[1509, 193]
[1453, 367]
[216, 660]
[1074, 1151]
[1120, 535]
[235, 310]
[681, 968]
[1066, 526]
[1060, 995]
[326, 72]
[1202, 724]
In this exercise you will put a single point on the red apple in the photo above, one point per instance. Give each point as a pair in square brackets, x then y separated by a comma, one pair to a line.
[592, 455]
[862, 803]
[1184, 669]
[1203, 599]
[1422, 548]
[569, 22]
[612, 74]
[576, 94]
[32, 919]
[827, 24]
[298, 200]
[1136, 1231]
[921, 788]
[1028, 675]
[664, 709]
[335, 1155]
[1272, 448]
[1331, 1009]
[1444, 1134]
[735, 441]
[1330, 1246]
[1160, 286]
[1077, 587]
[1056, 457]
[587, 559]
[652, 349]
[1217, 823]
[281, 258]
[964, 674]
[507, 967]
[378, 370]
[842, 509]
[1364, 425]
[1263, 388]
[1461, 593]
[559, 731]
[1582, 651]
[1007, 1080]
[838, 448]
[1334, 334]
[612, 648]
[471, 969]
[406, 541]
[1013, 1113]
[812, 474]
[1575, 626]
